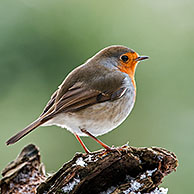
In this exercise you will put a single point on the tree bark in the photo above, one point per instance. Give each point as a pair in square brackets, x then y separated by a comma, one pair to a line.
[120, 171]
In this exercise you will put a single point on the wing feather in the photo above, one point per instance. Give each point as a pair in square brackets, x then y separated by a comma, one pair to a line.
[75, 93]
[77, 99]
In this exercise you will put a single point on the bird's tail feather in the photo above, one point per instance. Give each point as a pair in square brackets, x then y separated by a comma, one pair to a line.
[25, 131]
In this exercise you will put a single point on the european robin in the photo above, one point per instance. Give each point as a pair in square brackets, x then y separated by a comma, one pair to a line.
[95, 97]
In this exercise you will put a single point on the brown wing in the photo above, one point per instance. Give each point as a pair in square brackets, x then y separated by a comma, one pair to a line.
[77, 98]
[85, 86]
[49, 104]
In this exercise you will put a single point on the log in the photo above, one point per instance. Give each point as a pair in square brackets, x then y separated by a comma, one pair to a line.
[120, 171]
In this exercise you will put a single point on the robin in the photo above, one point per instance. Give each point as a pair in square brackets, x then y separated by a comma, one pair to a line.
[95, 97]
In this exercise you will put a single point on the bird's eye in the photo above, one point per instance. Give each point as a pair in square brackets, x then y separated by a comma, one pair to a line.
[124, 58]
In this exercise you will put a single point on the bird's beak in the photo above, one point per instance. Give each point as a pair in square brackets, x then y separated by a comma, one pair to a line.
[141, 58]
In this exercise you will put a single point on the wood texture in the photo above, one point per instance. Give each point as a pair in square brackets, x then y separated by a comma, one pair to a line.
[123, 170]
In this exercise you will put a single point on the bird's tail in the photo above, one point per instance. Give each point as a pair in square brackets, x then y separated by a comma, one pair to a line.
[25, 131]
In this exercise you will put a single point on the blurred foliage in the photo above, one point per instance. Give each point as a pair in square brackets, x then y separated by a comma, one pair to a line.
[42, 41]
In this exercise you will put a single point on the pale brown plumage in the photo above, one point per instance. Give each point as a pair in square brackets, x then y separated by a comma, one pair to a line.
[97, 81]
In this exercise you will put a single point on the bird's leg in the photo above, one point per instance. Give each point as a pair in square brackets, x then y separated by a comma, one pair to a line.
[82, 143]
[97, 140]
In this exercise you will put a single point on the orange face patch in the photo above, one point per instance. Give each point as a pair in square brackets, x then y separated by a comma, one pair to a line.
[128, 66]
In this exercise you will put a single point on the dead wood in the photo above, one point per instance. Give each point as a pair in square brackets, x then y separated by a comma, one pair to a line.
[121, 171]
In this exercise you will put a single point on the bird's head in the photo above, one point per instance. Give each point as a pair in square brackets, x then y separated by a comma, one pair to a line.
[125, 59]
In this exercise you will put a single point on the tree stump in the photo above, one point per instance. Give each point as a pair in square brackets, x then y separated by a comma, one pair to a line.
[121, 171]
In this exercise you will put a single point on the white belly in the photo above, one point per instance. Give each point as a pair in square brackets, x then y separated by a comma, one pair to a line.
[97, 119]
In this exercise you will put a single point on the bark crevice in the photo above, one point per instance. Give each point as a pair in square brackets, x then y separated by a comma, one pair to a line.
[127, 170]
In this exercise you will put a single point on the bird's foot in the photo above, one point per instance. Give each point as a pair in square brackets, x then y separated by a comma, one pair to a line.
[113, 149]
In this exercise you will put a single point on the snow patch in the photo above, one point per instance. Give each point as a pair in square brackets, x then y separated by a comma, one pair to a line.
[160, 190]
[134, 187]
[150, 172]
[69, 187]
[81, 162]
[90, 158]
[147, 173]
[143, 176]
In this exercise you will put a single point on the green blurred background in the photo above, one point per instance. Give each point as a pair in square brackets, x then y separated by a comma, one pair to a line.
[42, 41]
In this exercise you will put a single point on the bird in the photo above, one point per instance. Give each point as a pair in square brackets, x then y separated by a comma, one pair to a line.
[95, 98]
